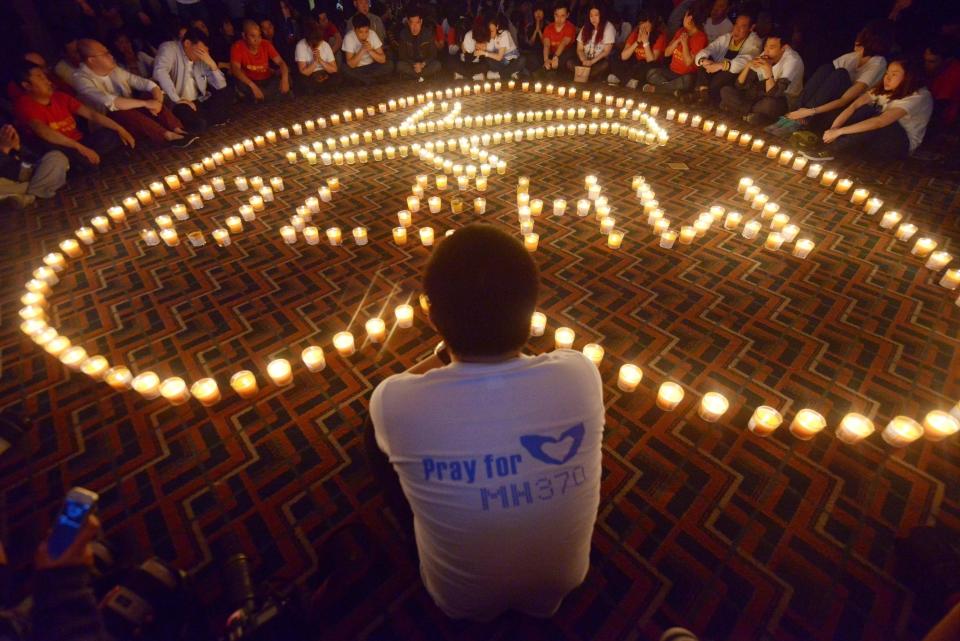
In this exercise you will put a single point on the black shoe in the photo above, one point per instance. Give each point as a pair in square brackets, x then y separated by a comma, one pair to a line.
[183, 143]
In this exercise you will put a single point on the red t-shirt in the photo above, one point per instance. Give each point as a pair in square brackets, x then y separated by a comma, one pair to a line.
[449, 38]
[255, 65]
[658, 45]
[330, 32]
[58, 115]
[696, 42]
[946, 88]
[554, 37]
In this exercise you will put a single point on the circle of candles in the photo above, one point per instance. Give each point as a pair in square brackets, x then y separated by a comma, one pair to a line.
[175, 390]
[73, 357]
[951, 279]
[629, 377]
[426, 236]
[938, 425]
[854, 428]
[806, 424]
[206, 391]
[538, 323]
[118, 377]
[764, 420]
[669, 396]
[404, 316]
[376, 329]
[713, 405]
[244, 383]
[147, 384]
[803, 248]
[344, 344]
[901, 431]
[564, 337]
[71, 248]
[313, 358]
[531, 241]
[280, 372]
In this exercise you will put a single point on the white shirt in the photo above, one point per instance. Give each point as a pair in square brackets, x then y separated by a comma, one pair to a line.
[351, 44]
[717, 51]
[919, 108]
[501, 465]
[304, 53]
[100, 92]
[714, 31]
[504, 42]
[789, 67]
[869, 74]
[595, 45]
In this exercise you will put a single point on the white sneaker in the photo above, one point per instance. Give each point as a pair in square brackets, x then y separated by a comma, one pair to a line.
[493, 75]
[478, 76]
[420, 79]
[613, 80]
[457, 76]
[632, 83]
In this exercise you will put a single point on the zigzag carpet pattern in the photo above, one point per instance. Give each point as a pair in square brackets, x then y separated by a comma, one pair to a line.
[701, 525]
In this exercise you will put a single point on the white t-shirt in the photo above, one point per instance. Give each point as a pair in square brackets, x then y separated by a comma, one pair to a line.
[504, 42]
[501, 465]
[790, 68]
[595, 45]
[351, 44]
[714, 31]
[304, 53]
[869, 74]
[919, 108]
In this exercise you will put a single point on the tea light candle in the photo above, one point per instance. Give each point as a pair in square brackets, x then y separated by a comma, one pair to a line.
[175, 390]
[434, 203]
[828, 178]
[779, 221]
[244, 383]
[266, 193]
[220, 236]
[538, 323]
[733, 135]
[757, 145]
[334, 236]
[563, 338]
[938, 425]
[531, 241]
[234, 224]
[872, 206]
[799, 163]
[615, 238]
[404, 316]
[289, 234]
[57, 345]
[732, 221]
[769, 210]
[708, 126]
[751, 229]
[247, 213]
[311, 235]
[687, 234]
[117, 214]
[149, 237]
[843, 185]
[951, 279]
[806, 424]
[55, 261]
[667, 239]
[241, 183]
[938, 260]
[700, 227]
[118, 377]
[764, 421]
[170, 237]
[185, 175]
[276, 183]
[923, 247]
[607, 224]
[147, 384]
[890, 219]
[33, 312]
[713, 405]
[85, 234]
[593, 192]
[774, 241]
[594, 352]
[404, 217]
[629, 377]
[814, 170]
[901, 431]
[313, 358]
[173, 182]
[803, 248]
[759, 201]
[854, 428]
[400, 235]
[426, 236]
[744, 184]
[196, 200]
[859, 195]
[360, 235]
[750, 193]
[344, 344]
[669, 396]
[526, 226]
[905, 231]
[256, 202]
[785, 157]
[206, 391]
[376, 330]
[280, 372]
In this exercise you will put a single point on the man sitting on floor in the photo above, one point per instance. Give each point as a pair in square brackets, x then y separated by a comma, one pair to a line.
[767, 85]
[24, 178]
[193, 82]
[49, 115]
[363, 52]
[416, 54]
[497, 453]
[106, 87]
[250, 59]
[724, 58]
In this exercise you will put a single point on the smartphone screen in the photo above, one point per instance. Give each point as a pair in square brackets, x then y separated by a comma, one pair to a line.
[69, 522]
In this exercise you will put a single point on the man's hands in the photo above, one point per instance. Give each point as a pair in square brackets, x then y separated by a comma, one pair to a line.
[127, 138]
[832, 134]
[284, 84]
[79, 552]
[188, 103]
[255, 90]
[712, 67]
[762, 63]
[418, 67]
[88, 154]
[800, 114]
[204, 54]
[9, 139]
[153, 106]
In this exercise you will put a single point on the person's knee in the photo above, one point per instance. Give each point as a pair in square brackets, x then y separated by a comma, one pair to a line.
[728, 94]
[56, 160]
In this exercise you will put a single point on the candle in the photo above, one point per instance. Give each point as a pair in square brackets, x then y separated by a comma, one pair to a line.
[55, 261]
[843, 185]
[426, 236]
[404, 315]
[923, 247]
[523, 199]
[951, 279]
[859, 195]
[785, 157]
[196, 200]
[175, 390]
[751, 192]
[751, 229]
[289, 234]
[39, 286]
[669, 396]
[538, 323]
[85, 234]
[206, 391]
[563, 338]
[687, 234]
[185, 175]
[713, 405]
[905, 231]
[234, 224]
[244, 383]
[872, 206]
[267, 194]
[220, 236]
[433, 202]
[938, 425]
[531, 241]
[593, 192]
[441, 181]
[117, 214]
[890, 219]
[276, 183]
[344, 344]
[57, 345]
[147, 384]
[360, 235]
[334, 236]
[594, 352]
[247, 213]
[803, 248]
[241, 183]
[311, 235]
[806, 424]
[938, 260]
[607, 224]
[770, 210]
[701, 226]
[173, 182]
[118, 377]
[31, 300]
[708, 126]
[376, 330]
[32, 312]
[479, 205]
[629, 377]
[536, 206]
[732, 221]
[400, 235]
[456, 205]
[73, 357]
[170, 237]
[313, 358]
[744, 184]
[854, 428]
[667, 239]
[615, 238]
[814, 170]
[149, 237]
[256, 202]
[901, 431]
[799, 163]
[280, 372]
[764, 421]
[828, 178]
[779, 221]
[759, 201]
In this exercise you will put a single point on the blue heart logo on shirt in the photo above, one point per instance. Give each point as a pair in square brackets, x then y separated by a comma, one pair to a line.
[555, 451]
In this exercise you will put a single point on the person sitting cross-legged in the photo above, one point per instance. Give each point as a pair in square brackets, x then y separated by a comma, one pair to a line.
[500, 52]
[103, 85]
[250, 59]
[678, 78]
[24, 176]
[498, 454]
[767, 84]
[363, 52]
[558, 45]
[595, 44]
[316, 64]
[641, 53]
[723, 59]
[416, 51]
[193, 82]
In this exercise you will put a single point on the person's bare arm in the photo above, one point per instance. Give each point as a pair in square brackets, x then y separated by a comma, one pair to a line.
[673, 44]
[879, 121]
[562, 46]
[378, 55]
[853, 92]
[44, 132]
[308, 69]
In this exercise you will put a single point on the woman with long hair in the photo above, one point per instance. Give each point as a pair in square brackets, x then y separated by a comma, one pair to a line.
[680, 76]
[889, 121]
[642, 51]
[594, 44]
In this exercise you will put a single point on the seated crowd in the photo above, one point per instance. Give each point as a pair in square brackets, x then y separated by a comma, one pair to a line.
[877, 100]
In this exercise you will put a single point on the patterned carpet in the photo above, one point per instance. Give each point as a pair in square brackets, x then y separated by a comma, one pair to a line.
[701, 524]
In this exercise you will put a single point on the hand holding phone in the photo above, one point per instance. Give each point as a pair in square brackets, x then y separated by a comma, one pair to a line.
[75, 527]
